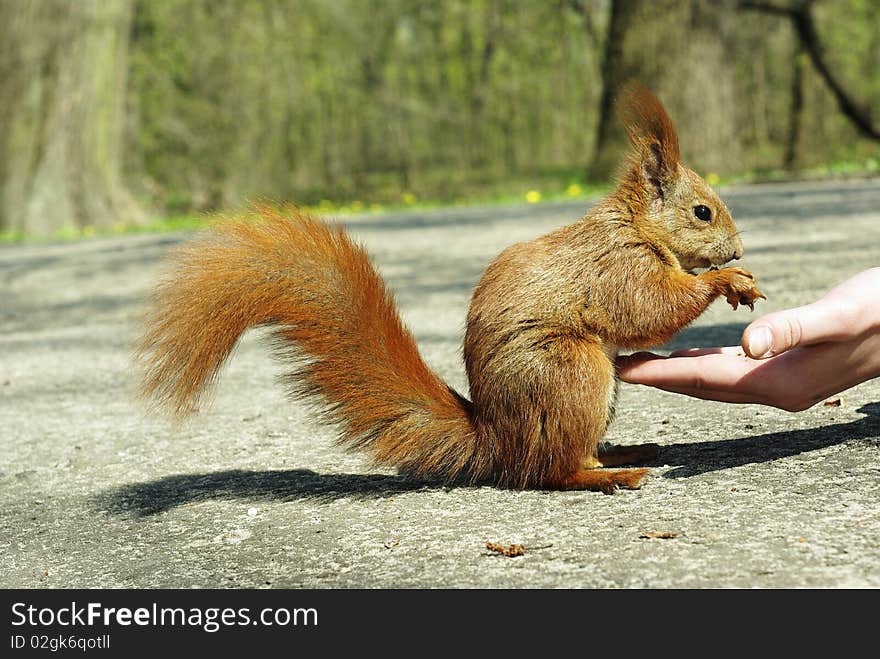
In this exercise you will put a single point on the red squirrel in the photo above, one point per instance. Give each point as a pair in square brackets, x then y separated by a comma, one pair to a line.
[546, 322]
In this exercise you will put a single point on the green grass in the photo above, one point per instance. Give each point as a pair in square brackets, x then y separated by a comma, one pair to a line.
[841, 169]
[68, 233]
[548, 186]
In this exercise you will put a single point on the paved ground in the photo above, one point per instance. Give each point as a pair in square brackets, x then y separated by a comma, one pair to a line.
[253, 494]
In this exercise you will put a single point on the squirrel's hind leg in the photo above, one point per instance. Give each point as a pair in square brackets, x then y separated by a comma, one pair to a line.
[593, 475]
[605, 480]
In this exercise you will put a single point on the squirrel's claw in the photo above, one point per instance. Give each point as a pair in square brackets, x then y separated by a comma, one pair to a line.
[755, 295]
[745, 296]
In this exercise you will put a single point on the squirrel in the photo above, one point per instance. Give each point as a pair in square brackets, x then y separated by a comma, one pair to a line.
[544, 327]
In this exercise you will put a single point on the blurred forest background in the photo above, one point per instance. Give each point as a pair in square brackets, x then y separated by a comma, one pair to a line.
[113, 112]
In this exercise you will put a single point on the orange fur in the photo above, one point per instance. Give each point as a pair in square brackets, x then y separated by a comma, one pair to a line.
[320, 292]
[647, 123]
[545, 324]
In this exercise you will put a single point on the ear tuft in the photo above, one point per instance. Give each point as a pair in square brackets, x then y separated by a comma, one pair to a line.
[650, 130]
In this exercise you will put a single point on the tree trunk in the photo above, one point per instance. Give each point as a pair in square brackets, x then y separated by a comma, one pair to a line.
[613, 76]
[790, 160]
[63, 71]
[679, 50]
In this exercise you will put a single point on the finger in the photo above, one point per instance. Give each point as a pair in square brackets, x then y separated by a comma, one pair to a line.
[699, 352]
[723, 396]
[783, 330]
[710, 372]
[684, 352]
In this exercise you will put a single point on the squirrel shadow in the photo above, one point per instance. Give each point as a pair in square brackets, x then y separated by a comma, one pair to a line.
[154, 497]
[158, 496]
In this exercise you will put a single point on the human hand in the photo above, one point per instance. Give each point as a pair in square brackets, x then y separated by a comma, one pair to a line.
[789, 359]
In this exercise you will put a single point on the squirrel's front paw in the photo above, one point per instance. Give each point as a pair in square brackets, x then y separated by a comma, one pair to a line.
[740, 288]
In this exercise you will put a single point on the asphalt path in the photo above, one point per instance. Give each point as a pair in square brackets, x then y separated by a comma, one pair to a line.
[253, 493]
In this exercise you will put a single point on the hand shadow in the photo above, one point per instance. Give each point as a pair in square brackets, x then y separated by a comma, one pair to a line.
[701, 457]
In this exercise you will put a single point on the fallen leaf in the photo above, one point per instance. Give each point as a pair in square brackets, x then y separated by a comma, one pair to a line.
[834, 402]
[507, 550]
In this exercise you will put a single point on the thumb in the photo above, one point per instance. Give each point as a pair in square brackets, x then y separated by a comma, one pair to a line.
[783, 330]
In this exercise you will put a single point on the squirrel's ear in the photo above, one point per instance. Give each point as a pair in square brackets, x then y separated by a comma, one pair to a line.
[652, 134]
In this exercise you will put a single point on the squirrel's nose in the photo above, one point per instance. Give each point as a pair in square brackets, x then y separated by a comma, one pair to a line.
[737, 247]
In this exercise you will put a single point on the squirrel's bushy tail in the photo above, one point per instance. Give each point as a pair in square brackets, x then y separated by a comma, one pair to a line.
[338, 326]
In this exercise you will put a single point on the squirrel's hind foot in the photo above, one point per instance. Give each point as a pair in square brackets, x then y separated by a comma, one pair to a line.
[606, 481]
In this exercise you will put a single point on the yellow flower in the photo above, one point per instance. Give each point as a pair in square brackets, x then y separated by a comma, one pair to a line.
[712, 178]
[408, 198]
[88, 230]
[375, 208]
[573, 190]
[533, 196]
[357, 206]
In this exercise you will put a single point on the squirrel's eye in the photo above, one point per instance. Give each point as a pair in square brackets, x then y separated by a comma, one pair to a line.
[703, 213]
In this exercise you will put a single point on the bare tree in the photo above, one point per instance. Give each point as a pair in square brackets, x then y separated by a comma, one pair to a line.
[800, 14]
